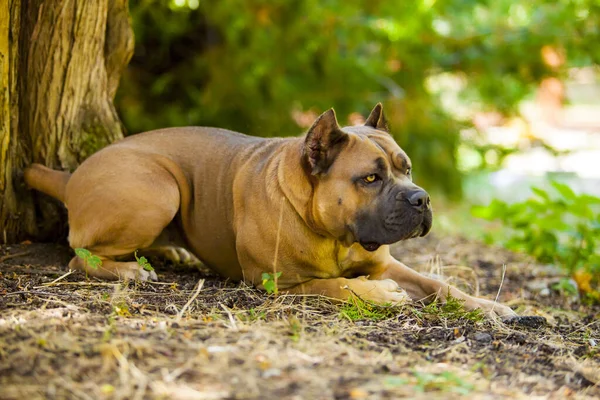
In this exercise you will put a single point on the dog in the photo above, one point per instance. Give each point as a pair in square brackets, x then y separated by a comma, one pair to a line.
[322, 209]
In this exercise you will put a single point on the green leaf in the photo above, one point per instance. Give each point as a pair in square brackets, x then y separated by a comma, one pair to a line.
[269, 286]
[496, 209]
[588, 199]
[94, 262]
[541, 193]
[88, 258]
[143, 262]
[564, 190]
[83, 253]
[268, 281]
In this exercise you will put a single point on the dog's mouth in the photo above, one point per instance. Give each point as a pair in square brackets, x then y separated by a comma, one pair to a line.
[416, 233]
[373, 246]
[370, 246]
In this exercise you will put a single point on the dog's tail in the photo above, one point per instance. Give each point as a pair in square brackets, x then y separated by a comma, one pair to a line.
[46, 180]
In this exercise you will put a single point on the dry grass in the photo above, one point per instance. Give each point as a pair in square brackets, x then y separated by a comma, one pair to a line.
[196, 336]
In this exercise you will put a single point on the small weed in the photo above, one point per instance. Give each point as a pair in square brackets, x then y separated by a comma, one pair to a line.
[88, 258]
[443, 382]
[391, 382]
[269, 282]
[356, 309]
[254, 315]
[110, 330]
[452, 309]
[566, 286]
[143, 262]
[121, 309]
[295, 328]
[592, 354]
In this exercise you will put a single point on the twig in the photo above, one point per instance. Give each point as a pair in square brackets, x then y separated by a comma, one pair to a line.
[27, 270]
[277, 243]
[499, 287]
[468, 269]
[36, 293]
[71, 388]
[161, 283]
[77, 284]
[59, 278]
[9, 256]
[231, 319]
[196, 293]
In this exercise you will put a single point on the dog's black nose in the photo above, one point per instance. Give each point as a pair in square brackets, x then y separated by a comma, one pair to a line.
[419, 199]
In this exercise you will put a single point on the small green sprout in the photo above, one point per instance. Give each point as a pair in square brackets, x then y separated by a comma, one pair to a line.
[269, 282]
[143, 262]
[88, 258]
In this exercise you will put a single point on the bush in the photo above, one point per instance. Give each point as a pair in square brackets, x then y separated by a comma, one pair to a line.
[557, 227]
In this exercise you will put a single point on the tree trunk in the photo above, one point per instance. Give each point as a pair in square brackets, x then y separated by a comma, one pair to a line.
[60, 64]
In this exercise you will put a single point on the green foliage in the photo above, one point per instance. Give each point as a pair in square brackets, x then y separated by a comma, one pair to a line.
[269, 282]
[88, 258]
[357, 309]
[255, 65]
[557, 227]
[451, 310]
[143, 262]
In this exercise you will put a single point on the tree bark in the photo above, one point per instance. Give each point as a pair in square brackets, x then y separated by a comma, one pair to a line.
[60, 61]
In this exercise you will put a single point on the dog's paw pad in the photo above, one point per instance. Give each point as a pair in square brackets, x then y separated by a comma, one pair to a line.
[180, 256]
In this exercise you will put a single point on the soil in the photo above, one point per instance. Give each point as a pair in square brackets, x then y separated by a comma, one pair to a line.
[63, 335]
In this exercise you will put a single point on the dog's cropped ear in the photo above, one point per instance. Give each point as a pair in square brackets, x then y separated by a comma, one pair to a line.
[377, 119]
[323, 142]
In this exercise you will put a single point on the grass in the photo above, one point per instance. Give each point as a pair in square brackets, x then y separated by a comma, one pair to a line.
[357, 309]
[450, 310]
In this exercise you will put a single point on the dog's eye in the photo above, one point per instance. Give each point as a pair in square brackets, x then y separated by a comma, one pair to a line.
[408, 171]
[371, 178]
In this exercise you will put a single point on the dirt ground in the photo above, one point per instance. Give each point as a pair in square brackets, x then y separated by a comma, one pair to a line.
[63, 335]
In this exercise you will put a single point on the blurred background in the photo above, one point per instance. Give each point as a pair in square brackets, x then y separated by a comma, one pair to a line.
[488, 97]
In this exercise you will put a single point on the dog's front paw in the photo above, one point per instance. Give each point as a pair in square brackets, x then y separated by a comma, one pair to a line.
[144, 275]
[384, 291]
[137, 273]
[490, 308]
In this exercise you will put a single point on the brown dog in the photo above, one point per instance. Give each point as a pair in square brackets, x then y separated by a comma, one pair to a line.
[328, 204]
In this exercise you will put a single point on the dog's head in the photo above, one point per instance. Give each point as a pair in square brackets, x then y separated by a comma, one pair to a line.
[362, 183]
